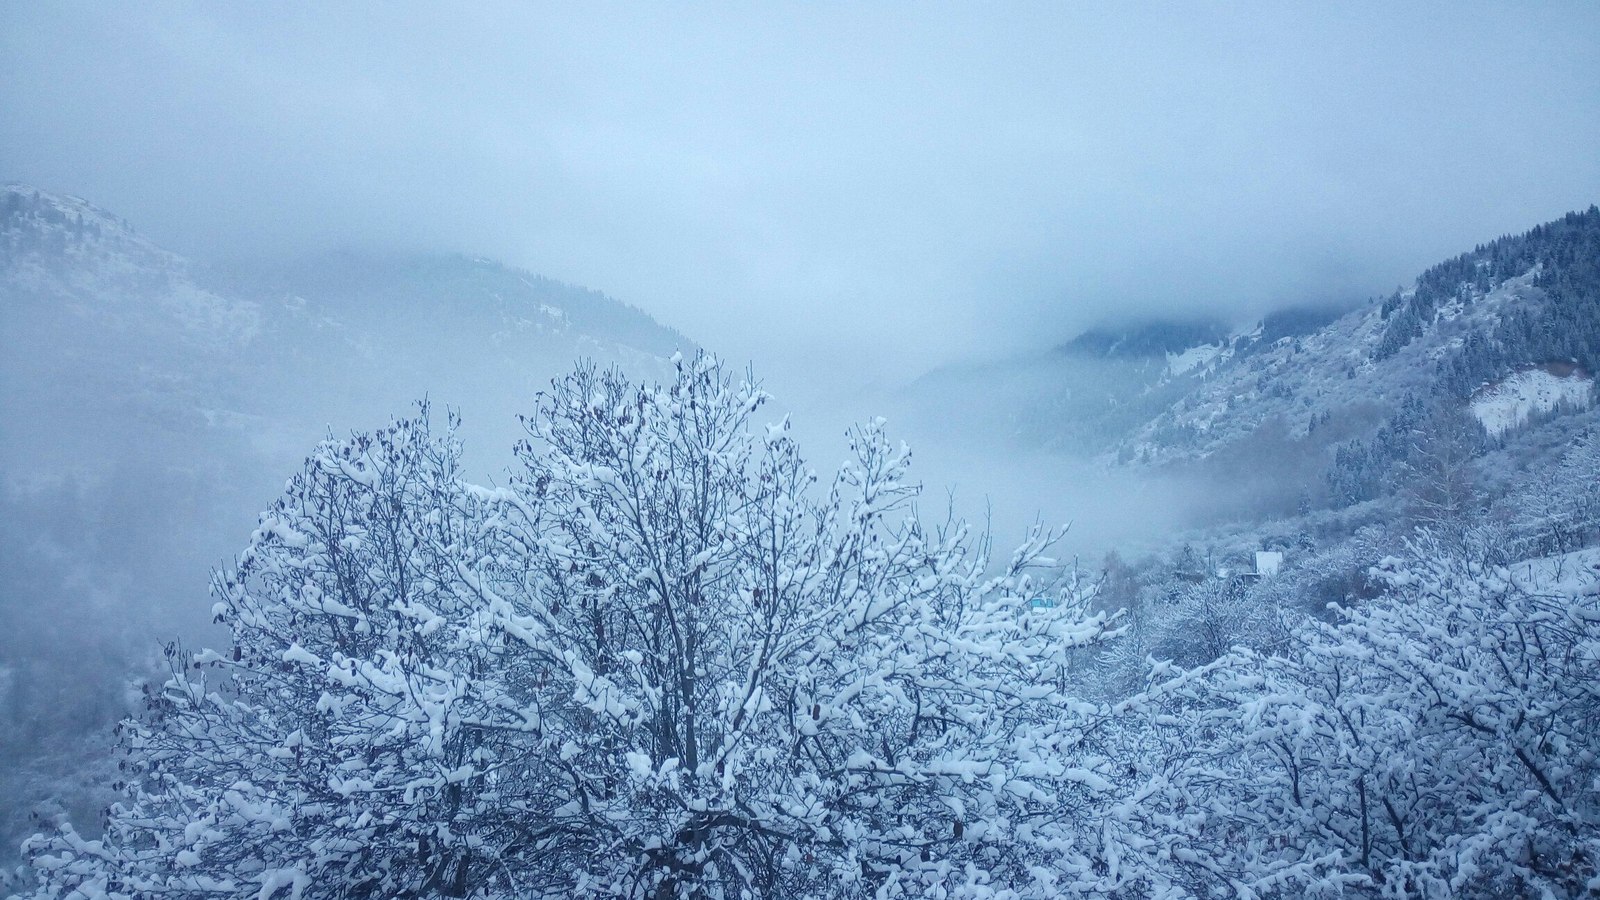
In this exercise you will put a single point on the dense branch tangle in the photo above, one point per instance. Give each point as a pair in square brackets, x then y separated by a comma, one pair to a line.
[765, 674]
[663, 660]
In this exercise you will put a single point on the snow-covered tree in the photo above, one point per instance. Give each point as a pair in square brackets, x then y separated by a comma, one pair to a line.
[356, 740]
[1439, 484]
[1437, 742]
[1557, 508]
[759, 688]
[662, 661]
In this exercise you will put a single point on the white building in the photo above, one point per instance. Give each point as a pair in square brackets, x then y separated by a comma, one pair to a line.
[1268, 562]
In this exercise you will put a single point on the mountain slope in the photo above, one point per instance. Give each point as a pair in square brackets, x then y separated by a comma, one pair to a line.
[153, 404]
[1307, 405]
[1519, 302]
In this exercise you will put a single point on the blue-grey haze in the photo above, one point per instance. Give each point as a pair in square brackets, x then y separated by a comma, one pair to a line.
[851, 191]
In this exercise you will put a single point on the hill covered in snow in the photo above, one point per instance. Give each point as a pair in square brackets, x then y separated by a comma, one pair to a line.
[1466, 324]
[1310, 405]
[153, 404]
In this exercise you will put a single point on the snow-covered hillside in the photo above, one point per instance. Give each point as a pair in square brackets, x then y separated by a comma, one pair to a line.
[106, 329]
[1511, 402]
[1333, 375]
[1307, 406]
[1195, 357]
[152, 404]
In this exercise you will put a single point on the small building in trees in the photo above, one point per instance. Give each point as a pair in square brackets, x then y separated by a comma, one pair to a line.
[1268, 562]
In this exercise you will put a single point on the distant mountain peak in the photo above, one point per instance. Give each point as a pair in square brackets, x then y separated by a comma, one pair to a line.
[444, 287]
[20, 202]
[42, 225]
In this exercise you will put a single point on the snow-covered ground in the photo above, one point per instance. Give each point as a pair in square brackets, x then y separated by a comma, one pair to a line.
[1510, 403]
[1194, 357]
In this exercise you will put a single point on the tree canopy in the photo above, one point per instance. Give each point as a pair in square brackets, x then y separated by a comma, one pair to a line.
[663, 660]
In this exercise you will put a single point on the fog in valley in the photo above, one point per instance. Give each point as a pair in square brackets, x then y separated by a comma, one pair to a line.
[1150, 271]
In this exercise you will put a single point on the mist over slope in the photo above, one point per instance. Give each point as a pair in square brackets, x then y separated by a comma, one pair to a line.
[153, 406]
[1307, 406]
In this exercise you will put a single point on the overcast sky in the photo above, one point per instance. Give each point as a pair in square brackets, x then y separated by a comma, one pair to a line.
[879, 187]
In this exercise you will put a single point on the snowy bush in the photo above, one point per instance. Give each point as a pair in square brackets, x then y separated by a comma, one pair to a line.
[1438, 742]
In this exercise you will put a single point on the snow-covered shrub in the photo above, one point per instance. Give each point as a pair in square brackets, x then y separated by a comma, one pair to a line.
[1440, 741]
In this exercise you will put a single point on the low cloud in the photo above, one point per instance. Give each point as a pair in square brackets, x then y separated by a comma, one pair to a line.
[894, 187]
